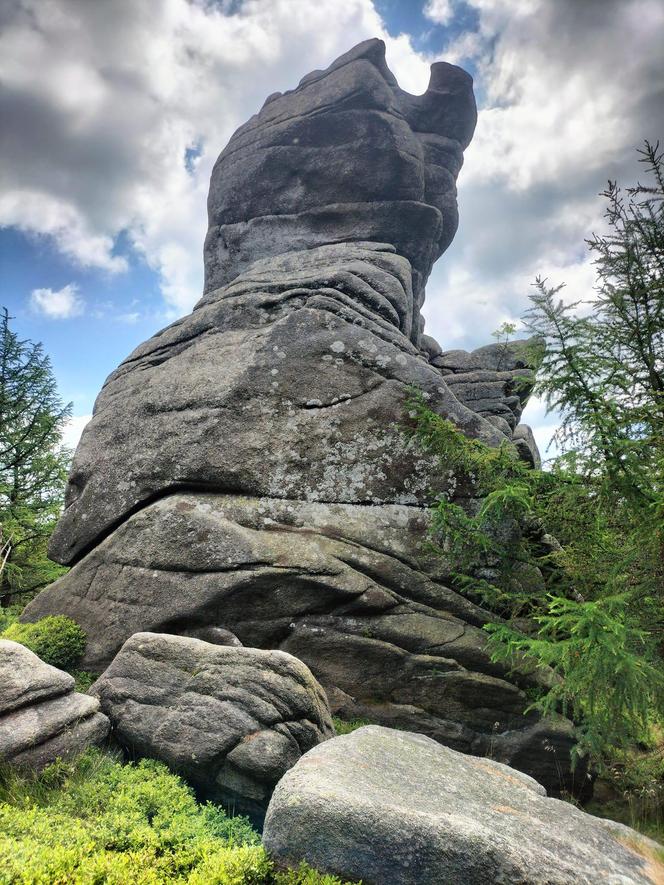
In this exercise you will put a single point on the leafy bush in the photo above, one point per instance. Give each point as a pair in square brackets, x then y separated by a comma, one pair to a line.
[343, 726]
[57, 640]
[9, 616]
[304, 875]
[96, 820]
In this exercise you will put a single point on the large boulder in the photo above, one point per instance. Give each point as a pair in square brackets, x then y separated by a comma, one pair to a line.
[42, 718]
[247, 474]
[345, 156]
[350, 590]
[231, 720]
[386, 806]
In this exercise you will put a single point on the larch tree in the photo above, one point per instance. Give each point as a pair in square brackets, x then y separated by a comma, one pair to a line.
[33, 464]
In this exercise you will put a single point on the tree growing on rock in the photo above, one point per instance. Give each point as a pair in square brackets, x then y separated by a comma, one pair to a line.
[593, 525]
[33, 464]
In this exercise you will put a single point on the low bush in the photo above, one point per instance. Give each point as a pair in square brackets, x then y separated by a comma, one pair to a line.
[304, 875]
[9, 616]
[96, 820]
[57, 640]
[345, 726]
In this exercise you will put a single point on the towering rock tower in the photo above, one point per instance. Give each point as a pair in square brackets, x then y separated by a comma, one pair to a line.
[246, 476]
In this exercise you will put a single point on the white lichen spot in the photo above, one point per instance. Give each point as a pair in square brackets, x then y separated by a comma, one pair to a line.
[274, 371]
[337, 346]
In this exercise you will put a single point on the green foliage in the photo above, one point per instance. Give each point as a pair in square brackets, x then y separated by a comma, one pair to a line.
[608, 683]
[84, 679]
[94, 820]
[588, 534]
[33, 464]
[305, 875]
[57, 640]
[9, 616]
[343, 726]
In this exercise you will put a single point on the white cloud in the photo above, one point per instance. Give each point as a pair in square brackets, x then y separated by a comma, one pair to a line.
[97, 141]
[57, 304]
[567, 92]
[439, 11]
[73, 430]
[130, 318]
[42, 213]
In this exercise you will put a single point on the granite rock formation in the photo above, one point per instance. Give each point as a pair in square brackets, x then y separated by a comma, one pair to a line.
[41, 716]
[246, 470]
[385, 806]
[231, 720]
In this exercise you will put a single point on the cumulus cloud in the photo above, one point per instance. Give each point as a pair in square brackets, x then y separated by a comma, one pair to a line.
[133, 102]
[132, 105]
[57, 304]
[567, 92]
[438, 11]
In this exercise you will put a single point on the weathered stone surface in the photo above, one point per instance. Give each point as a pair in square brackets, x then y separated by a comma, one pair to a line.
[351, 590]
[525, 444]
[26, 679]
[247, 470]
[345, 156]
[231, 720]
[494, 381]
[41, 716]
[387, 806]
[275, 389]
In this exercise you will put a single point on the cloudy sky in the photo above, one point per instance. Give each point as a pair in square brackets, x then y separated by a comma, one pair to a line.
[113, 112]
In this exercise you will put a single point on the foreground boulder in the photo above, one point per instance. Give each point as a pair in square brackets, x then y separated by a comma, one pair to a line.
[247, 474]
[231, 720]
[386, 806]
[42, 718]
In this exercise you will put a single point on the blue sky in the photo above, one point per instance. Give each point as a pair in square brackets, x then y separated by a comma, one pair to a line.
[114, 113]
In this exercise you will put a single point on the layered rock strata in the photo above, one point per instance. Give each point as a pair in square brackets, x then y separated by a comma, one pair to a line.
[42, 718]
[248, 471]
[231, 720]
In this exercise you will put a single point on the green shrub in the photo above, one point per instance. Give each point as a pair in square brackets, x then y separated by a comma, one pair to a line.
[57, 640]
[305, 875]
[343, 726]
[84, 679]
[96, 820]
[9, 616]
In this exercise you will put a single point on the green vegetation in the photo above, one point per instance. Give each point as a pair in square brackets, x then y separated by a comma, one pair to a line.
[574, 555]
[33, 465]
[57, 640]
[343, 726]
[97, 820]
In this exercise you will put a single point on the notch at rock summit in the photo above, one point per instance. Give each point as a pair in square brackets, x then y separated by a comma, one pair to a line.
[246, 476]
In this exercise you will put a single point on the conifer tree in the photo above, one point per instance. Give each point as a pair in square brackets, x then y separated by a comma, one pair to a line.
[33, 464]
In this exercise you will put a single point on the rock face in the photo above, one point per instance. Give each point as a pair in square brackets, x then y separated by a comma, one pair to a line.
[347, 156]
[41, 716]
[231, 720]
[386, 806]
[247, 475]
